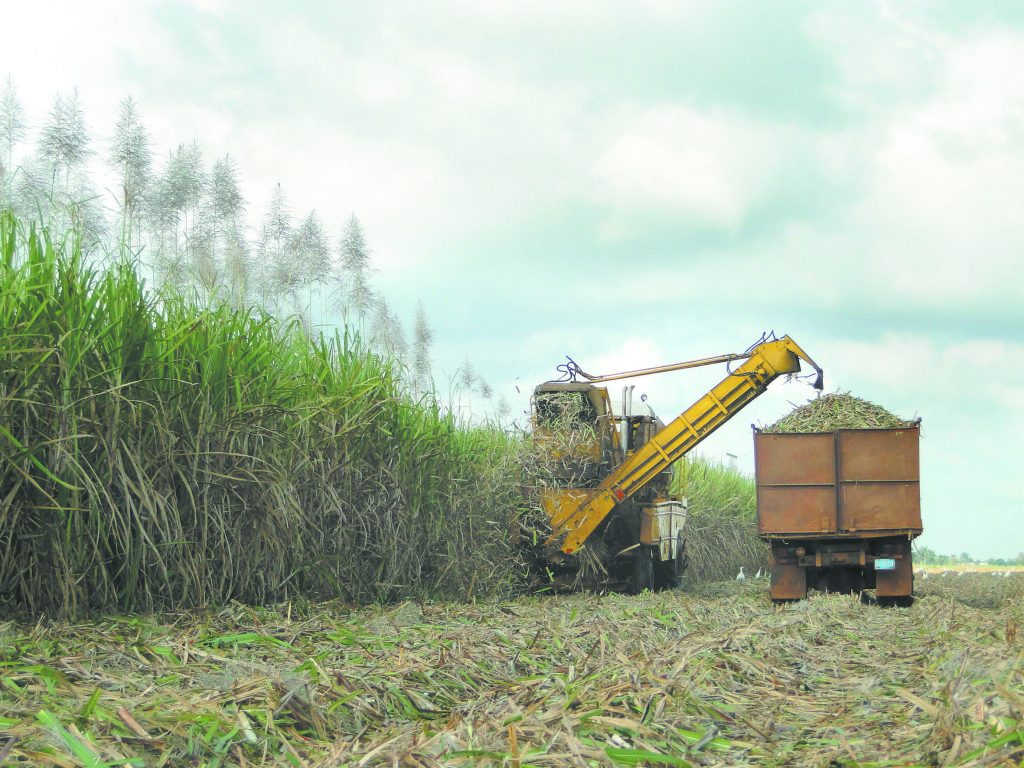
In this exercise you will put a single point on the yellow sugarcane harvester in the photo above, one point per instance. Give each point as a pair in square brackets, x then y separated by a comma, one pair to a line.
[611, 493]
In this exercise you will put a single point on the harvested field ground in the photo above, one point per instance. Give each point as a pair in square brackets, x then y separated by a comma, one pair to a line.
[716, 676]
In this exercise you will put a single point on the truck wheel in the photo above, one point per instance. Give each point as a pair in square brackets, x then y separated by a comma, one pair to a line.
[899, 601]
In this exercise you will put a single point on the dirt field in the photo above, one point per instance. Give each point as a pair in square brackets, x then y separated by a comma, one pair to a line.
[713, 677]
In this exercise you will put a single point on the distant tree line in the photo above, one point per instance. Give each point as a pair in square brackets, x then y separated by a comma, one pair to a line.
[183, 221]
[928, 556]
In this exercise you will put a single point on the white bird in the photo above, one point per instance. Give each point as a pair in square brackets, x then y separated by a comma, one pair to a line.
[1007, 574]
[758, 574]
[741, 576]
[924, 575]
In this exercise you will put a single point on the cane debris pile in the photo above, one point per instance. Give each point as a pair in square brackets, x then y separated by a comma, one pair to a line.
[716, 677]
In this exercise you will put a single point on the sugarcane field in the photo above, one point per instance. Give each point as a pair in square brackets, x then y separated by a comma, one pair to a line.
[511, 385]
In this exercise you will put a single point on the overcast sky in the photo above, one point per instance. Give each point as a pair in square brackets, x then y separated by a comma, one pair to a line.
[633, 184]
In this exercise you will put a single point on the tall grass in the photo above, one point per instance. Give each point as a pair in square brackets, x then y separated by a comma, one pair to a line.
[721, 530]
[154, 454]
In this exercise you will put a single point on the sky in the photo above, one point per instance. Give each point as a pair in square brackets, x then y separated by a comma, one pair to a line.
[633, 184]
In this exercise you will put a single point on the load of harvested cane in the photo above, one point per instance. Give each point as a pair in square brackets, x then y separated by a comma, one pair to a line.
[839, 410]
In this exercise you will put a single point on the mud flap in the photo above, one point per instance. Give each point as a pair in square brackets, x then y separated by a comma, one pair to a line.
[899, 581]
[789, 582]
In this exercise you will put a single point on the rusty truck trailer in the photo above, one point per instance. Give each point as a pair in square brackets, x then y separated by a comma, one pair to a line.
[840, 510]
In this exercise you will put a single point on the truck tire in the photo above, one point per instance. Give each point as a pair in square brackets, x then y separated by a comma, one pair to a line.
[899, 601]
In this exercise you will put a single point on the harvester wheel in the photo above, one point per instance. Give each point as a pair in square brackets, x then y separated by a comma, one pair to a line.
[643, 573]
[669, 574]
[682, 560]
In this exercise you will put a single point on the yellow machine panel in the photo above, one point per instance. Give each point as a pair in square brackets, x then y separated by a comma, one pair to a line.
[617, 474]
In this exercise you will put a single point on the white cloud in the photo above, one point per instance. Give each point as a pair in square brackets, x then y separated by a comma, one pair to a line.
[633, 353]
[964, 380]
[935, 215]
[948, 180]
[709, 166]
